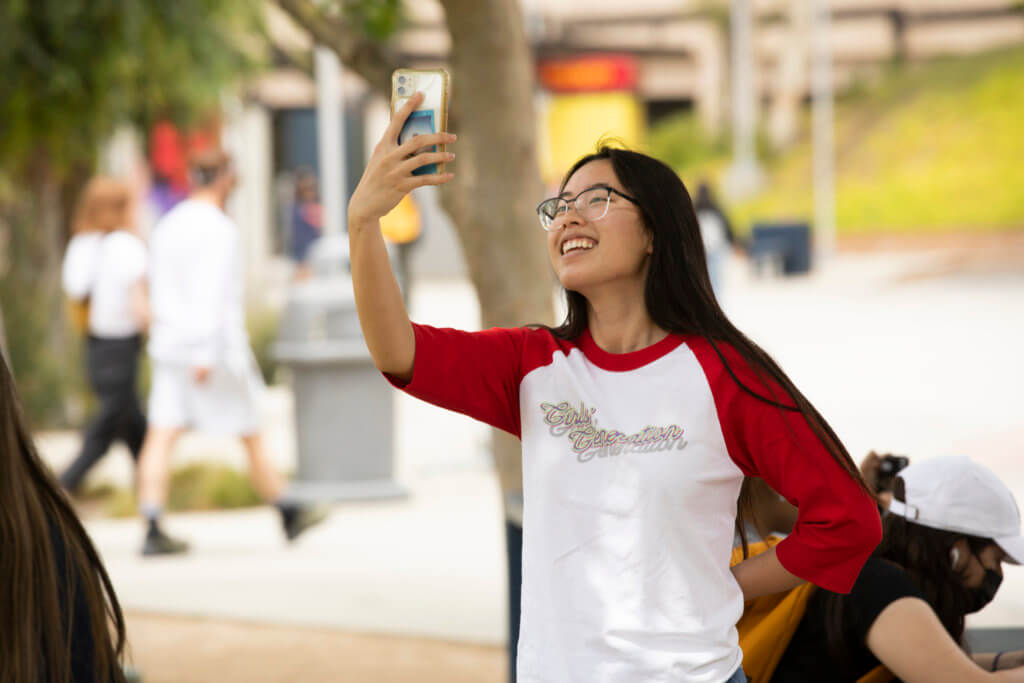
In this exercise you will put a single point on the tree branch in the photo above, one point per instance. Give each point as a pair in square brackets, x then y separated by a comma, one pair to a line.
[365, 56]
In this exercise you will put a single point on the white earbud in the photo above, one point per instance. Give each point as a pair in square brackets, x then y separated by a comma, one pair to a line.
[954, 554]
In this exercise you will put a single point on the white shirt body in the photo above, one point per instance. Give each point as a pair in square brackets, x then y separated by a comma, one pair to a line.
[712, 231]
[106, 268]
[196, 289]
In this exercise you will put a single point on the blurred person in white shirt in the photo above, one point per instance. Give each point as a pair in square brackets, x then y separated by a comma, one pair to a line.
[717, 234]
[204, 374]
[105, 270]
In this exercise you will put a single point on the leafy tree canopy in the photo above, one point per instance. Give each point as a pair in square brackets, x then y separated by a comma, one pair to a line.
[71, 70]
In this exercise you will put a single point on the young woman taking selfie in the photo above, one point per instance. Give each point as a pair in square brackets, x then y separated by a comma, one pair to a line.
[639, 416]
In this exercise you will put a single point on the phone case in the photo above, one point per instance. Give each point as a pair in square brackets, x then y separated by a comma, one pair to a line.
[431, 116]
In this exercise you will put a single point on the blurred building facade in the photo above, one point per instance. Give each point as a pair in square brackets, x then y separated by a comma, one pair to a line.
[677, 53]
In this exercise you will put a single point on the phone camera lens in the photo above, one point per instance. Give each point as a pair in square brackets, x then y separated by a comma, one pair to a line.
[401, 90]
[401, 79]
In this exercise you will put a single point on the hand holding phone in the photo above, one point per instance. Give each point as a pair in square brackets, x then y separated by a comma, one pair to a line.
[430, 116]
[388, 175]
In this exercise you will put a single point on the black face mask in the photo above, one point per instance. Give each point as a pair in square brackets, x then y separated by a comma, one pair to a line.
[983, 594]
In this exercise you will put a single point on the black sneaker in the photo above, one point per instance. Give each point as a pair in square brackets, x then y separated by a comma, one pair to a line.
[159, 543]
[298, 519]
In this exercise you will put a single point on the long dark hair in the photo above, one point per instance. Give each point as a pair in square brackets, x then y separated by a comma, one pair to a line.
[50, 573]
[679, 298]
[924, 553]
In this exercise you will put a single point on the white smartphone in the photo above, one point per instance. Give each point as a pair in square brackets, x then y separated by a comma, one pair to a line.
[432, 114]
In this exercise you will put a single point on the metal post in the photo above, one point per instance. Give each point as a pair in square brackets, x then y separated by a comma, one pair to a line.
[330, 120]
[822, 136]
[744, 176]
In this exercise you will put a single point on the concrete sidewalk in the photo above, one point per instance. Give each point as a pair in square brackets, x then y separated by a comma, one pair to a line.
[896, 360]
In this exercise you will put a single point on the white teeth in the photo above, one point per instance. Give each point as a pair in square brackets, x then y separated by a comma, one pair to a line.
[578, 243]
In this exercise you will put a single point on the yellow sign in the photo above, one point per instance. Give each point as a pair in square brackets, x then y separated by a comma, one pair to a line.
[572, 125]
[402, 224]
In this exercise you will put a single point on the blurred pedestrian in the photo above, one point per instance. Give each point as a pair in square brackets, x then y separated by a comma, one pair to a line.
[307, 221]
[717, 234]
[104, 273]
[204, 374]
[639, 416]
[60, 619]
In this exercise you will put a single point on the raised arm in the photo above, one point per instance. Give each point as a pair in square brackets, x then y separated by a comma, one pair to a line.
[1009, 659]
[910, 641]
[387, 178]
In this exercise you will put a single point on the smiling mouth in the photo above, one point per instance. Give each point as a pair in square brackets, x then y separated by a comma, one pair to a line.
[577, 244]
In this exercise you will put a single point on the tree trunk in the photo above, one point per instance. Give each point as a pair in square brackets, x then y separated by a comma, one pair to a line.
[35, 224]
[497, 179]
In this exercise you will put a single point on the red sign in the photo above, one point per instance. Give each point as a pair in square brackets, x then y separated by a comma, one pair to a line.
[593, 73]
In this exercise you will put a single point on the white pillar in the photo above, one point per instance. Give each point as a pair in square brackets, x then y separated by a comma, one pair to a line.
[822, 136]
[744, 175]
[330, 119]
[247, 137]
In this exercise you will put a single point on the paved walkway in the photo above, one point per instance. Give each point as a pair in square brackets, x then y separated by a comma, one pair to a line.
[901, 351]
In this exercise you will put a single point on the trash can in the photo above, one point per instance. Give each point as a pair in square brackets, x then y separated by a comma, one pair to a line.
[343, 406]
[784, 248]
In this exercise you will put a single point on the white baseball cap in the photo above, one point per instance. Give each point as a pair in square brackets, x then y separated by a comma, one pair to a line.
[957, 494]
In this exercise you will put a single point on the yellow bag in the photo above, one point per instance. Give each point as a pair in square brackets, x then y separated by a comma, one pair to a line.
[769, 622]
[402, 224]
[78, 314]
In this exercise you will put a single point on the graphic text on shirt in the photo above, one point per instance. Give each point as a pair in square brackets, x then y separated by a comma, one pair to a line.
[589, 440]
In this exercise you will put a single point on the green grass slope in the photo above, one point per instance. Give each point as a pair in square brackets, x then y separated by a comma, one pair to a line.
[930, 148]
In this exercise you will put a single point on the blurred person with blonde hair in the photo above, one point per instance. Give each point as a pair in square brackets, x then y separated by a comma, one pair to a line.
[204, 374]
[104, 275]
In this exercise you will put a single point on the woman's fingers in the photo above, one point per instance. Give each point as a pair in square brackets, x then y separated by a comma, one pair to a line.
[422, 180]
[412, 163]
[400, 117]
[418, 142]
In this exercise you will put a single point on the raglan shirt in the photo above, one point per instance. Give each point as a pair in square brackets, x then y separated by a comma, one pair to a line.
[632, 464]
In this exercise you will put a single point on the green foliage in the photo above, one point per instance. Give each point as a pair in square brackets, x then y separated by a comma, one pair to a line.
[73, 69]
[262, 325]
[210, 487]
[379, 19]
[46, 362]
[200, 486]
[47, 381]
[682, 142]
[932, 147]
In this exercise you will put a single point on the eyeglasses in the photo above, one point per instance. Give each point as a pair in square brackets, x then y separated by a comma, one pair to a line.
[591, 204]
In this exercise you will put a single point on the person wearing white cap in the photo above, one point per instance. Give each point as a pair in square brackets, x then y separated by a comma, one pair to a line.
[950, 527]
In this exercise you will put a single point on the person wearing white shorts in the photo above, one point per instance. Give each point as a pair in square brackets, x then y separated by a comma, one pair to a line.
[228, 402]
[204, 374]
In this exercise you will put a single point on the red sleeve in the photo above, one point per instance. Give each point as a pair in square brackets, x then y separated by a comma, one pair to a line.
[837, 525]
[473, 373]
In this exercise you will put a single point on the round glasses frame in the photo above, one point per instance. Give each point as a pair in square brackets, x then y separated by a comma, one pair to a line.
[591, 204]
